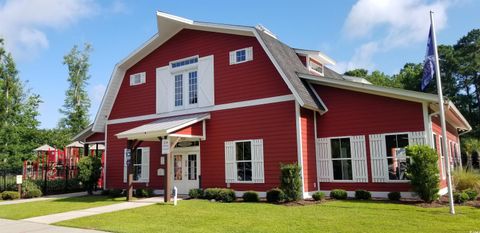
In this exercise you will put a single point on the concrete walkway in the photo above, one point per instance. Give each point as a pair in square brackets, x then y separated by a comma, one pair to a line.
[53, 218]
[44, 198]
[15, 226]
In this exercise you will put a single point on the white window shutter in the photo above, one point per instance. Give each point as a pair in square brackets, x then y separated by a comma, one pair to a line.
[132, 80]
[232, 58]
[417, 138]
[378, 157]
[206, 92]
[164, 90]
[257, 161]
[126, 157]
[324, 160]
[145, 164]
[143, 77]
[249, 53]
[230, 171]
[359, 159]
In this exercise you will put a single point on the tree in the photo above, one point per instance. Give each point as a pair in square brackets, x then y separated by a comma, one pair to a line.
[90, 169]
[361, 73]
[290, 181]
[410, 76]
[77, 102]
[470, 146]
[18, 112]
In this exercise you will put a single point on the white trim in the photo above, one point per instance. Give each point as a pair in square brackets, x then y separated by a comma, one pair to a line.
[240, 104]
[105, 159]
[376, 194]
[94, 142]
[427, 125]
[142, 78]
[319, 99]
[174, 17]
[316, 149]
[233, 56]
[260, 194]
[317, 55]
[298, 124]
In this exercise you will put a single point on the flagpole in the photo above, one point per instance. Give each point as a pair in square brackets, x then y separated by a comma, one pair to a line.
[442, 117]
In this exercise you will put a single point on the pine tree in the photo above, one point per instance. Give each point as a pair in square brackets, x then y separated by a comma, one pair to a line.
[77, 103]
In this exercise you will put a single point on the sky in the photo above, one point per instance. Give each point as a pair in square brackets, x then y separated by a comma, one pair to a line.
[372, 34]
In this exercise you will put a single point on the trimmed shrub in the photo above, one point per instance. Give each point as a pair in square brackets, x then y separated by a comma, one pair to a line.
[460, 197]
[472, 194]
[463, 180]
[362, 194]
[423, 172]
[31, 193]
[290, 181]
[195, 193]
[116, 193]
[226, 195]
[318, 196]
[338, 194]
[394, 196]
[105, 192]
[10, 195]
[275, 195]
[211, 193]
[90, 170]
[250, 196]
[143, 192]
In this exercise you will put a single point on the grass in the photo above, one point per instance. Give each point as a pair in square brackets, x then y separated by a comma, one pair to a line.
[40, 208]
[334, 216]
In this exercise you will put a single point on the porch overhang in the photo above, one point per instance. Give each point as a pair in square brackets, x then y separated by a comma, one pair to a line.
[166, 127]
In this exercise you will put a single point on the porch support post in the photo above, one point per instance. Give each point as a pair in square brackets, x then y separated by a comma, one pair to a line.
[168, 165]
[85, 149]
[132, 145]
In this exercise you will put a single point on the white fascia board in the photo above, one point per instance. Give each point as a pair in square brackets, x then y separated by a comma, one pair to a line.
[372, 89]
[459, 114]
[173, 129]
[317, 55]
[174, 17]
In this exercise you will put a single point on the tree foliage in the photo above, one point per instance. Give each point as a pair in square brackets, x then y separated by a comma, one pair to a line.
[90, 169]
[291, 181]
[77, 102]
[423, 172]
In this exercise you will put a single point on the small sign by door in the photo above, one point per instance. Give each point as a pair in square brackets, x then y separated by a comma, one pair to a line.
[19, 179]
[165, 146]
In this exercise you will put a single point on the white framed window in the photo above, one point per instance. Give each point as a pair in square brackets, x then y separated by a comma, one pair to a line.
[315, 66]
[137, 79]
[241, 55]
[397, 159]
[341, 158]
[185, 62]
[141, 165]
[244, 161]
[442, 159]
[192, 87]
[186, 86]
[178, 90]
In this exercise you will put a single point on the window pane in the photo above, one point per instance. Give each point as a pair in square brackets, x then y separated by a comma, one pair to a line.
[192, 87]
[247, 151]
[244, 171]
[345, 148]
[137, 172]
[395, 141]
[178, 90]
[138, 159]
[397, 168]
[402, 140]
[241, 55]
[335, 145]
[192, 167]
[177, 167]
[239, 150]
[342, 169]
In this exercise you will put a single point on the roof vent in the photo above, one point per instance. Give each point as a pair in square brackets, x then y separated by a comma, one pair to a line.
[265, 30]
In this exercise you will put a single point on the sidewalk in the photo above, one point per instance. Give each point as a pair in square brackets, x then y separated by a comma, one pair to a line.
[15, 226]
[53, 218]
[44, 198]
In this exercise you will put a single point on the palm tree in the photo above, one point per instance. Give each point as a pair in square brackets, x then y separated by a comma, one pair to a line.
[469, 146]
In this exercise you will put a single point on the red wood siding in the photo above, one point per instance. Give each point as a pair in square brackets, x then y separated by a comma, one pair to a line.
[115, 150]
[96, 137]
[245, 81]
[354, 113]
[274, 123]
[452, 135]
[308, 150]
[195, 129]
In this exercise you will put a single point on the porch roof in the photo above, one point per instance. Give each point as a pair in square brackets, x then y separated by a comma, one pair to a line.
[162, 127]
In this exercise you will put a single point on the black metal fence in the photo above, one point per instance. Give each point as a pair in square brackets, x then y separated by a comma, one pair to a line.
[54, 178]
[8, 182]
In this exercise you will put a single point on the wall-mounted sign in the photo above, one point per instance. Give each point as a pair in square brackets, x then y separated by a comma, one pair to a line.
[19, 179]
[165, 146]
[160, 172]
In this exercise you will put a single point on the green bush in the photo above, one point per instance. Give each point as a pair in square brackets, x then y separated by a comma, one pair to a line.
[116, 193]
[338, 194]
[250, 196]
[460, 197]
[275, 195]
[105, 192]
[31, 193]
[463, 180]
[318, 196]
[290, 181]
[195, 193]
[226, 195]
[394, 196]
[211, 193]
[10, 195]
[90, 169]
[472, 194]
[361, 194]
[143, 192]
[423, 172]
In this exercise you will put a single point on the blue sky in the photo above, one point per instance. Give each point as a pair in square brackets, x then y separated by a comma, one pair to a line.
[372, 34]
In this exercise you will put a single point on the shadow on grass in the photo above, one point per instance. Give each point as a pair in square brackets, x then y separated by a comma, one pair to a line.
[90, 199]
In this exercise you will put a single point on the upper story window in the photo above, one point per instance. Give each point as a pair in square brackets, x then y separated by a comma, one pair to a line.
[241, 55]
[184, 62]
[137, 79]
[315, 66]
[186, 89]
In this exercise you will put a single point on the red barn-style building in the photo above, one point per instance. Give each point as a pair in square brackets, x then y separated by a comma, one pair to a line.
[235, 103]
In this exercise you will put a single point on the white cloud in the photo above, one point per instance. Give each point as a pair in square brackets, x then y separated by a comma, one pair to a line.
[97, 92]
[23, 22]
[392, 24]
[118, 7]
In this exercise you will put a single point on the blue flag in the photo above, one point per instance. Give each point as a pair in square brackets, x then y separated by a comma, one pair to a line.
[429, 63]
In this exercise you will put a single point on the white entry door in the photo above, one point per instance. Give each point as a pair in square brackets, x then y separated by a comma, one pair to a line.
[185, 171]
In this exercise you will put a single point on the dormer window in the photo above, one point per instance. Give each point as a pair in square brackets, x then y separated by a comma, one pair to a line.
[315, 66]
[241, 55]
[137, 79]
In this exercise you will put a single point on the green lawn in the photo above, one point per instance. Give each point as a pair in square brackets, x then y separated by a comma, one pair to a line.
[333, 216]
[39, 208]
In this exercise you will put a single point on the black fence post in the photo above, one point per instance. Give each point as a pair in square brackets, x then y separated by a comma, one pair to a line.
[45, 173]
[66, 177]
